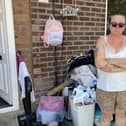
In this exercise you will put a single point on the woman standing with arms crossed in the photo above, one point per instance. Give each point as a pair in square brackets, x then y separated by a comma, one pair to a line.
[111, 65]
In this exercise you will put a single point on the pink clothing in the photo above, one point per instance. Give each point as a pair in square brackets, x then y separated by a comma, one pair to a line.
[19, 60]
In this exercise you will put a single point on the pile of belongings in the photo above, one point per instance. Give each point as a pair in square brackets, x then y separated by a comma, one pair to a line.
[83, 71]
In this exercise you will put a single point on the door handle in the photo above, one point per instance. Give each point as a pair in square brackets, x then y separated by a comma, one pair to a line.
[0, 57]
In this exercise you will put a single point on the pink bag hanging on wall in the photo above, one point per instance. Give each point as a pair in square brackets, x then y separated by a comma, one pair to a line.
[53, 33]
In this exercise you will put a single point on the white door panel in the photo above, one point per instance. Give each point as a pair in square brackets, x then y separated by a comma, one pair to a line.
[5, 83]
[8, 70]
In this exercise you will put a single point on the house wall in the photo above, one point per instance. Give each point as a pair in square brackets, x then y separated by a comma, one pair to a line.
[80, 34]
[22, 25]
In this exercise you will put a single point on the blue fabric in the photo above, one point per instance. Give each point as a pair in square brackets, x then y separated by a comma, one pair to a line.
[46, 117]
[97, 110]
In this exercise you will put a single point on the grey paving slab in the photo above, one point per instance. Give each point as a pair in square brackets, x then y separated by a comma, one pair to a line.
[10, 119]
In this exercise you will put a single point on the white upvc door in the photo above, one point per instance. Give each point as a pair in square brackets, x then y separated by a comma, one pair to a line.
[8, 71]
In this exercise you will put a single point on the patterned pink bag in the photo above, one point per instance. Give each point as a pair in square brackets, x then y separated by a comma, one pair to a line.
[53, 33]
[51, 103]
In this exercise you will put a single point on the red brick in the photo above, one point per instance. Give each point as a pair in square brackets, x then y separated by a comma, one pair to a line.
[80, 34]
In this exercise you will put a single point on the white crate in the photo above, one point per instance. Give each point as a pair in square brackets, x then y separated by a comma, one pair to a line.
[82, 115]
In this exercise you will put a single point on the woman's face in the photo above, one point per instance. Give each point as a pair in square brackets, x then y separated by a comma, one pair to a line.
[117, 24]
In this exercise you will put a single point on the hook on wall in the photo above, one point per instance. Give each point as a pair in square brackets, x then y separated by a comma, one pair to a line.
[69, 10]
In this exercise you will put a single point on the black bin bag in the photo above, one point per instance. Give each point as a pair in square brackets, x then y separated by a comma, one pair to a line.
[82, 60]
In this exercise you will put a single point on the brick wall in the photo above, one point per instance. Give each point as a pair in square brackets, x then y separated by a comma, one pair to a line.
[80, 34]
[22, 25]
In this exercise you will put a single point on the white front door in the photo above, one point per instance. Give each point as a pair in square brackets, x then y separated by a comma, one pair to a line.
[8, 72]
[5, 83]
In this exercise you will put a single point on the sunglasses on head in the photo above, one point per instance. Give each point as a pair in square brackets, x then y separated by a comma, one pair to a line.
[120, 25]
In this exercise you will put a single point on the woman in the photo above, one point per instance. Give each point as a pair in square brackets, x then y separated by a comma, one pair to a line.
[111, 65]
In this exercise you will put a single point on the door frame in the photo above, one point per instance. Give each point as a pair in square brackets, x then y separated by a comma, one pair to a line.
[106, 18]
[12, 59]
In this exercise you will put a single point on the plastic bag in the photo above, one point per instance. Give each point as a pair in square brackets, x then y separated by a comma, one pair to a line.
[50, 109]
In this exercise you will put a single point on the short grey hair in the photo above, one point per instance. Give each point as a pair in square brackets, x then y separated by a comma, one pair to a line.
[109, 19]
